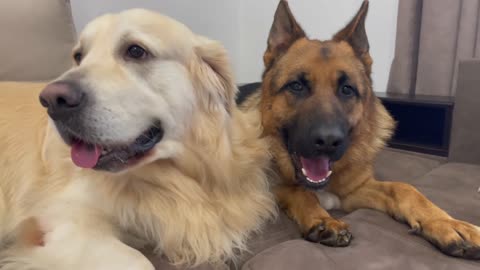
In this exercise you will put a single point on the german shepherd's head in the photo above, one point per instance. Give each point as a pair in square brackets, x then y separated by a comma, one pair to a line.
[315, 95]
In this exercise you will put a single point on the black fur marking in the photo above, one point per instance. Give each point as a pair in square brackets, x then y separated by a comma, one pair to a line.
[246, 90]
[343, 78]
[325, 52]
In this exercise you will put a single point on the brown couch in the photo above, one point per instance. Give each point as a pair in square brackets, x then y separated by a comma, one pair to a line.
[41, 33]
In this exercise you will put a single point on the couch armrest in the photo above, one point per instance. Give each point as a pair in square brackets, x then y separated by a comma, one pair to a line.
[465, 134]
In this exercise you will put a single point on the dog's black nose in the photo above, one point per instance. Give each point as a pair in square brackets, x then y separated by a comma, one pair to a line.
[62, 99]
[327, 139]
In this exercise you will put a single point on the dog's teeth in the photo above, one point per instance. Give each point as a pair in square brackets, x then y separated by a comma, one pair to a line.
[304, 172]
[329, 173]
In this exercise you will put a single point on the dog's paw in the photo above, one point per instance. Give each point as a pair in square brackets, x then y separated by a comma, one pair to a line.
[330, 232]
[453, 237]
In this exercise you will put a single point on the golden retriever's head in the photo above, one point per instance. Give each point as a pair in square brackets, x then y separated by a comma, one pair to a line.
[138, 80]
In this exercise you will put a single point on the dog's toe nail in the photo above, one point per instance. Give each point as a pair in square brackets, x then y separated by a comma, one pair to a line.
[343, 232]
[345, 239]
[415, 230]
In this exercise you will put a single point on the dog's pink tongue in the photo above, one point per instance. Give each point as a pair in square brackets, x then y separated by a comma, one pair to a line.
[85, 155]
[316, 169]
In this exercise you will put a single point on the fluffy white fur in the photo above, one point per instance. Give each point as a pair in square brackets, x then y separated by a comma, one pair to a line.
[195, 199]
[328, 200]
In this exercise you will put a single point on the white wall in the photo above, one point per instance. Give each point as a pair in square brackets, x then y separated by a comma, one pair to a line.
[216, 19]
[243, 25]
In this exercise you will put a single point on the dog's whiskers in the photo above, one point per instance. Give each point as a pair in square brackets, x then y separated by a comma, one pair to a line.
[121, 160]
[147, 136]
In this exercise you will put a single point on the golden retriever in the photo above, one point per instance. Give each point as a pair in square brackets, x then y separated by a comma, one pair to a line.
[139, 144]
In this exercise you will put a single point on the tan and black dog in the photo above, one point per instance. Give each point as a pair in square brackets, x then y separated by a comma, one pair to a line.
[327, 127]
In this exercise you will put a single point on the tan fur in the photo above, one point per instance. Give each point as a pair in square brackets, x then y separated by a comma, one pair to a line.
[195, 199]
[290, 51]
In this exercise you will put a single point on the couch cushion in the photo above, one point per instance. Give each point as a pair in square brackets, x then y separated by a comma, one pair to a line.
[37, 39]
[379, 243]
[398, 165]
[454, 188]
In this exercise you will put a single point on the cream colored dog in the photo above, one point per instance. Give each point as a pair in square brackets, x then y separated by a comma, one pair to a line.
[161, 155]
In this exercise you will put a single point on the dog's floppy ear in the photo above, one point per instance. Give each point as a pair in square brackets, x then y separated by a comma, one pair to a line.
[284, 32]
[213, 72]
[356, 35]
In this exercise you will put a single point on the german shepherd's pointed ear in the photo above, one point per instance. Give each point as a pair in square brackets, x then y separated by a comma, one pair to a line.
[284, 32]
[356, 35]
[214, 74]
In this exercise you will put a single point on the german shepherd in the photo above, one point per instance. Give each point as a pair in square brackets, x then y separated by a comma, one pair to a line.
[327, 126]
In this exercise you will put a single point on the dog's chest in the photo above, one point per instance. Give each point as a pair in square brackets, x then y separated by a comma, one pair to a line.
[328, 201]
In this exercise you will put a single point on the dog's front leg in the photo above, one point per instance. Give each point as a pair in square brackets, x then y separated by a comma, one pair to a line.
[315, 223]
[403, 202]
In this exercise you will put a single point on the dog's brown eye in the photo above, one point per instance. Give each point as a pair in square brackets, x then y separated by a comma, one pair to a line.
[296, 86]
[347, 91]
[136, 52]
[77, 57]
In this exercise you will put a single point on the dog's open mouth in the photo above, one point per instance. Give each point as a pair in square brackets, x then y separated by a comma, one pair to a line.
[113, 158]
[313, 172]
[316, 170]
